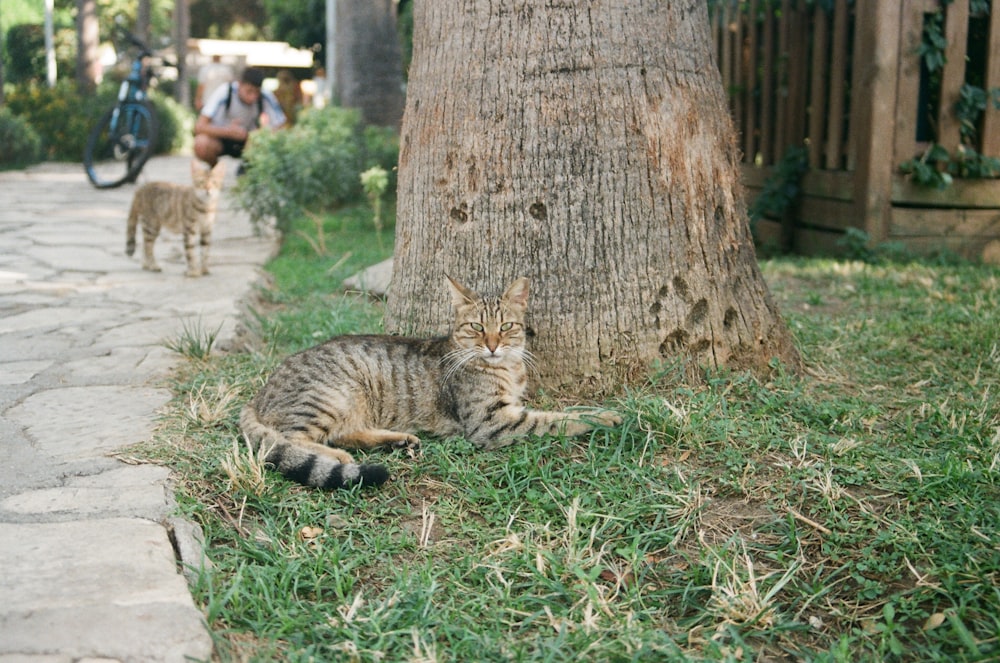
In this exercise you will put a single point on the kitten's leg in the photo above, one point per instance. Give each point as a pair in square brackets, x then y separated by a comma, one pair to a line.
[505, 425]
[375, 438]
[189, 254]
[206, 243]
[148, 239]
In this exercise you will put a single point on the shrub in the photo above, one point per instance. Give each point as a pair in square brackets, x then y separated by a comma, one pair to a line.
[60, 116]
[313, 166]
[63, 117]
[20, 144]
[176, 123]
[25, 53]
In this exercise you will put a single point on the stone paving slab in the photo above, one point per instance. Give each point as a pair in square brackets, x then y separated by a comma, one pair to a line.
[87, 569]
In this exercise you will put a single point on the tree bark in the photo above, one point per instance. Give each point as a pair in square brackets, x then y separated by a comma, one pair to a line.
[88, 37]
[587, 146]
[182, 21]
[369, 72]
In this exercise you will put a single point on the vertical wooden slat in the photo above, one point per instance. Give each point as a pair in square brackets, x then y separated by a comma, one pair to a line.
[909, 110]
[781, 81]
[877, 31]
[750, 135]
[738, 54]
[799, 75]
[956, 29]
[767, 88]
[817, 85]
[838, 67]
[990, 145]
[726, 51]
[854, 136]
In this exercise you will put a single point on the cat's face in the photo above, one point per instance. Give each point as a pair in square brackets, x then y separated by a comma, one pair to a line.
[208, 182]
[490, 327]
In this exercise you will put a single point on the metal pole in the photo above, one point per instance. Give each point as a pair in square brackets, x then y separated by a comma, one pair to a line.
[331, 47]
[50, 49]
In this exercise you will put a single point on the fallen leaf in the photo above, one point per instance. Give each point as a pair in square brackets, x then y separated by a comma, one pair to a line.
[308, 533]
[934, 621]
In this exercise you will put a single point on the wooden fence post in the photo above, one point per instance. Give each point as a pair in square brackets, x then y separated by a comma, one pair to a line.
[877, 25]
[991, 120]
[956, 26]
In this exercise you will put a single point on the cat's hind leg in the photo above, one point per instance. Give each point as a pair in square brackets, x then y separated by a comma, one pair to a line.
[375, 438]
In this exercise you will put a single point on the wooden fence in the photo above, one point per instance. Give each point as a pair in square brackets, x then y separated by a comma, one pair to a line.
[848, 82]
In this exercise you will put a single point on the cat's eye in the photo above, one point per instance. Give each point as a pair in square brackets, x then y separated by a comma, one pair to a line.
[507, 326]
[476, 327]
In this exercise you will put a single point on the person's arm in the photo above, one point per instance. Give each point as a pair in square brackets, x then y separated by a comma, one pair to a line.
[272, 109]
[231, 132]
[213, 106]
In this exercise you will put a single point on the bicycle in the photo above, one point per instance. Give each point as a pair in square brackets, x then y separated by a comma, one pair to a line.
[124, 138]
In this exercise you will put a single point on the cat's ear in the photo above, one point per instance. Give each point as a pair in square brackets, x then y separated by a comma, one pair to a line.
[517, 292]
[460, 295]
[218, 172]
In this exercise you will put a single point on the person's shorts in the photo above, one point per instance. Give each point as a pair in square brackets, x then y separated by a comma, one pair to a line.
[233, 148]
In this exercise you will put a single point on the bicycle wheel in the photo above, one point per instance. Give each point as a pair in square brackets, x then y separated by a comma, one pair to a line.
[120, 143]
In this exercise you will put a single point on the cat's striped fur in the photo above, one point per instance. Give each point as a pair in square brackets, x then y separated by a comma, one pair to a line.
[363, 392]
[188, 210]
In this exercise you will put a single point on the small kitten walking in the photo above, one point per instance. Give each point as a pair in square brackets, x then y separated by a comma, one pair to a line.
[188, 210]
[365, 392]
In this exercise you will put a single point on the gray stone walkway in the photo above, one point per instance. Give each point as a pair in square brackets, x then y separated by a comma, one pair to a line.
[87, 569]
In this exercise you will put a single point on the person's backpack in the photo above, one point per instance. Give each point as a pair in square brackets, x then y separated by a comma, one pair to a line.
[229, 100]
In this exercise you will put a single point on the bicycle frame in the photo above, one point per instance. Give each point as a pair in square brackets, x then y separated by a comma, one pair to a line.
[124, 138]
[133, 88]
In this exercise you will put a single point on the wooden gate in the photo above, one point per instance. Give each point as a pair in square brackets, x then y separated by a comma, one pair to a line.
[849, 82]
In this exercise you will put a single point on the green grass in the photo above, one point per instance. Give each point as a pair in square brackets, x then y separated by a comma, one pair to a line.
[852, 513]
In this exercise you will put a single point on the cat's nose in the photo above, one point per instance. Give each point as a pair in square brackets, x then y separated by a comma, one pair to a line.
[492, 344]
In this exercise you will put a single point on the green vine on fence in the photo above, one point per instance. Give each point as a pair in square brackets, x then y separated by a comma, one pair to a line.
[937, 167]
[782, 188]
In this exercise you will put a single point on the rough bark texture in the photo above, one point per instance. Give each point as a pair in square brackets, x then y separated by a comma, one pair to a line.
[369, 62]
[88, 65]
[587, 146]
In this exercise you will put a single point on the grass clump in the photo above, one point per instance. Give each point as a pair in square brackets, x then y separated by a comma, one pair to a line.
[195, 341]
[850, 514]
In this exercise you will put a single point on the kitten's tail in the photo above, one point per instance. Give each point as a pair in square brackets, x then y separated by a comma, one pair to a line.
[133, 220]
[316, 466]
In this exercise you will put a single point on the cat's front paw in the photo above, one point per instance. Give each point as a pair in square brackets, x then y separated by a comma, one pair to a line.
[410, 443]
[193, 273]
[612, 419]
[608, 418]
[152, 267]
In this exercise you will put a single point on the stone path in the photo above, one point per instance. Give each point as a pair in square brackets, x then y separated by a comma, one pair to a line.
[87, 569]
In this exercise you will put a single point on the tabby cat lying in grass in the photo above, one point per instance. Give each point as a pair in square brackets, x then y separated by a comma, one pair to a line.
[365, 392]
[184, 209]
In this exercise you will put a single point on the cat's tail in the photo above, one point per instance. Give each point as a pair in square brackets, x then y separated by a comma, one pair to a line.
[313, 465]
[133, 221]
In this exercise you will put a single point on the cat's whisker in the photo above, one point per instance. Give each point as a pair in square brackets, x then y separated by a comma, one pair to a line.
[528, 359]
[455, 360]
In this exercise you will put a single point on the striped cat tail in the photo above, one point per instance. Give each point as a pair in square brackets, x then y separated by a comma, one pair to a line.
[311, 465]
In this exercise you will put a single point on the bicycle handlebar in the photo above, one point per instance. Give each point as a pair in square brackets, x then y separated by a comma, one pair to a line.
[144, 49]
